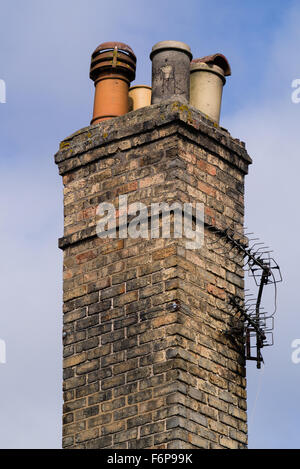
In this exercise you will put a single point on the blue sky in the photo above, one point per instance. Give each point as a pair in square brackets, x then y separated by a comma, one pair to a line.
[45, 52]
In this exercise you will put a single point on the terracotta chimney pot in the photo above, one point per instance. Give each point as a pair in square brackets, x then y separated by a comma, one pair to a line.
[112, 69]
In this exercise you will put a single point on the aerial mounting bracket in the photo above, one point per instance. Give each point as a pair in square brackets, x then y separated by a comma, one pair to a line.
[250, 322]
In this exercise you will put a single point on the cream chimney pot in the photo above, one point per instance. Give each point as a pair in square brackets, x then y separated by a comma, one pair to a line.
[206, 84]
[139, 96]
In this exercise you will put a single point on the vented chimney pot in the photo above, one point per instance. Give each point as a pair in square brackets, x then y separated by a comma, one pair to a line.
[170, 71]
[207, 81]
[112, 69]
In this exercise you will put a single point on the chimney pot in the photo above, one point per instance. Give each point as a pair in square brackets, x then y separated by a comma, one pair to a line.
[170, 71]
[139, 96]
[112, 69]
[206, 85]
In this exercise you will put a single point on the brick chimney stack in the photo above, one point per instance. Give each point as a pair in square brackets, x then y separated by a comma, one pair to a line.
[146, 360]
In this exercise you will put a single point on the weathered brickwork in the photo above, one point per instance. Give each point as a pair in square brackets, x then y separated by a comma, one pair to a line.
[146, 361]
